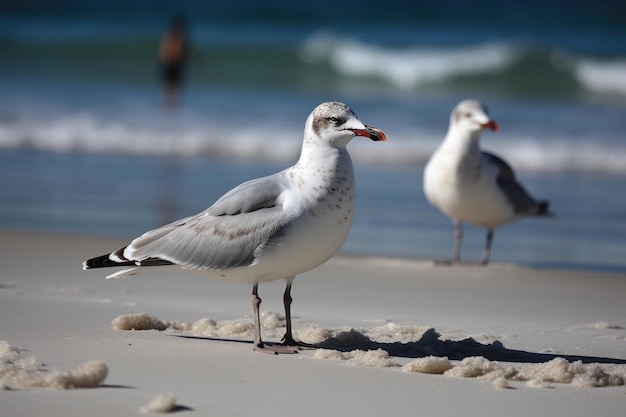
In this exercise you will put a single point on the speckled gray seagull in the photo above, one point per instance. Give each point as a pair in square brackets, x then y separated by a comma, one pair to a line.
[472, 186]
[269, 228]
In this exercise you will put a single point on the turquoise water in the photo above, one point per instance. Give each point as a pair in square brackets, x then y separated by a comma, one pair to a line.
[87, 147]
[125, 196]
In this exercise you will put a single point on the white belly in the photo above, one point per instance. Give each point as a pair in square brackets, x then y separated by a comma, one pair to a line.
[311, 244]
[478, 201]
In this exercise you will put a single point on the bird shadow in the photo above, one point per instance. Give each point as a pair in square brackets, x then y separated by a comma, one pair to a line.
[431, 344]
[180, 408]
[116, 386]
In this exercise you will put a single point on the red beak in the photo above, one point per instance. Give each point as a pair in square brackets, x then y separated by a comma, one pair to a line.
[491, 124]
[371, 132]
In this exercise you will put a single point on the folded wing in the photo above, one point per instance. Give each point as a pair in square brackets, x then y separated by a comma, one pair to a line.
[229, 234]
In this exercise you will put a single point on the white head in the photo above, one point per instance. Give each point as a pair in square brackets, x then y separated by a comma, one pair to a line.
[472, 116]
[335, 124]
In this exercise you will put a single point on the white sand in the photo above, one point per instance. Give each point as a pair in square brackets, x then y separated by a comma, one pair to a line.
[395, 338]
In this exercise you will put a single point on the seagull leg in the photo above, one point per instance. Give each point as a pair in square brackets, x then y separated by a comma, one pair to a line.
[288, 339]
[456, 250]
[458, 238]
[259, 345]
[256, 302]
[487, 250]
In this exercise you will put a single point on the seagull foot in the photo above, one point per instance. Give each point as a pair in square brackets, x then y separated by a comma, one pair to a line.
[450, 262]
[446, 262]
[290, 341]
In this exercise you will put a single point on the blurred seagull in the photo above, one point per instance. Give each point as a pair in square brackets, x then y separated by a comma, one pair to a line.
[269, 228]
[472, 186]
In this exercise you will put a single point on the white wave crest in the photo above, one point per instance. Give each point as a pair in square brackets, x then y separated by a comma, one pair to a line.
[607, 77]
[87, 132]
[406, 68]
[268, 138]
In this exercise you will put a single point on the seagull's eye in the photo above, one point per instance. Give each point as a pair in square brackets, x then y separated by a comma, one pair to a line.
[334, 120]
[467, 114]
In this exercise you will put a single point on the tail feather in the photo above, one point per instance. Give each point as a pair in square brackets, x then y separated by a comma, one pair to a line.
[543, 209]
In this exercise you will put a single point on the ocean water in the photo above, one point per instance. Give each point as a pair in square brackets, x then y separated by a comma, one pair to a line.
[86, 145]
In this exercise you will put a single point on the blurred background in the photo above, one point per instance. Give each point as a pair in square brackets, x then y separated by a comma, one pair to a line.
[110, 125]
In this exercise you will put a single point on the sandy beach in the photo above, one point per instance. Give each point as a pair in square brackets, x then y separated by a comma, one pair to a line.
[395, 337]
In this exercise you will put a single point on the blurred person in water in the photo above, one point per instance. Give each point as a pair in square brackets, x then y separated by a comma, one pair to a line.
[173, 51]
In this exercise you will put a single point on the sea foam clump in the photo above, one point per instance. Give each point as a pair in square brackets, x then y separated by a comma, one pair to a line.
[20, 370]
[162, 403]
[576, 373]
[429, 365]
[376, 358]
[558, 370]
[143, 321]
[273, 325]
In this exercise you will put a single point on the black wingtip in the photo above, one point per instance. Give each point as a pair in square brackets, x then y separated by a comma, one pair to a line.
[543, 209]
[104, 262]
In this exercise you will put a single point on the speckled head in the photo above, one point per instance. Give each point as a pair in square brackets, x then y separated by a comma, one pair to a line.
[336, 124]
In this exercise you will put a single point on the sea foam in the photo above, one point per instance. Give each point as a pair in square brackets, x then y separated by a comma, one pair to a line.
[18, 370]
[385, 345]
[85, 132]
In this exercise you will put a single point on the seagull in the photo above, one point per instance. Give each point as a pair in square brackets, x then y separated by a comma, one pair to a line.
[473, 186]
[265, 229]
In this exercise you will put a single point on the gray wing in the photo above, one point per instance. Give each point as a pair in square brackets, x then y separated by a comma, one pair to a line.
[228, 234]
[250, 196]
[518, 197]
